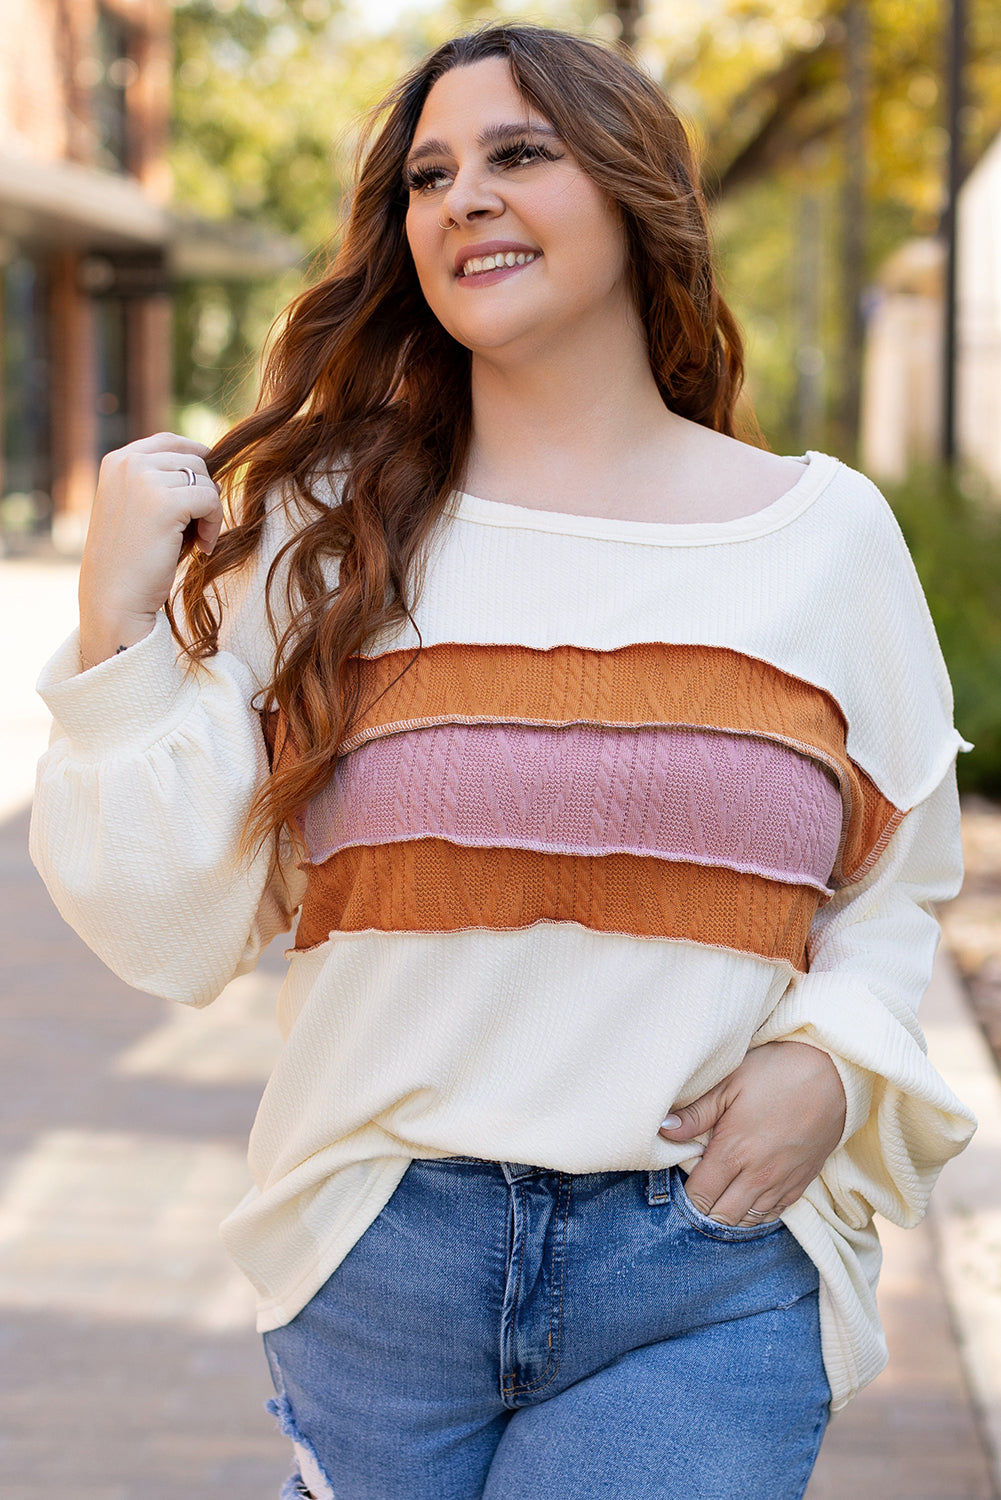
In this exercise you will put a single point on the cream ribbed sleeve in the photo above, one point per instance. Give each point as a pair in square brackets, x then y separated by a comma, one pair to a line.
[140, 801]
[871, 950]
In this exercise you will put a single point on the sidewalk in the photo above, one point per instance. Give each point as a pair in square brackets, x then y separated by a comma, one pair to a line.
[929, 1428]
[130, 1370]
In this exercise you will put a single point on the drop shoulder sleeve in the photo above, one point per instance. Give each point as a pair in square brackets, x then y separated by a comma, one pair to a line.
[870, 956]
[140, 802]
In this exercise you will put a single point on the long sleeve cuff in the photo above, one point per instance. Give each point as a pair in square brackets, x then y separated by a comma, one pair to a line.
[124, 704]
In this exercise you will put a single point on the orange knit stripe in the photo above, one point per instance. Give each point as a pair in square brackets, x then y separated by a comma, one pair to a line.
[869, 829]
[710, 687]
[430, 885]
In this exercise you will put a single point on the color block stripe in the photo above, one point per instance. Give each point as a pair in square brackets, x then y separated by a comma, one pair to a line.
[429, 885]
[651, 683]
[648, 684]
[714, 799]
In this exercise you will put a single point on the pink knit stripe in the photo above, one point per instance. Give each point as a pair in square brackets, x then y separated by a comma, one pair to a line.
[695, 795]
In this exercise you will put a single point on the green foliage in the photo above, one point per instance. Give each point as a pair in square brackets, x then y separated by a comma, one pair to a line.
[734, 64]
[954, 533]
[759, 273]
[262, 97]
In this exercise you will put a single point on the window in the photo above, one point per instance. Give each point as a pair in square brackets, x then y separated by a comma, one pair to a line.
[111, 373]
[114, 70]
[27, 473]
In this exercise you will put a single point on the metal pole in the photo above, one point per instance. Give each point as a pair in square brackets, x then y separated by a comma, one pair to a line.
[954, 105]
[809, 355]
[853, 215]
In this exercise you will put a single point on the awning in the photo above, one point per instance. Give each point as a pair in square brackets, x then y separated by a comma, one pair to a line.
[60, 203]
[63, 205]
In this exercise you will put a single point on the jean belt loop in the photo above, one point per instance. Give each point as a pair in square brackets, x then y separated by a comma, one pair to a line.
[658, 1186]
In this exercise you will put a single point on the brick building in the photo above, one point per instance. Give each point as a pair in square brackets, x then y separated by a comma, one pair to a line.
[89, 247]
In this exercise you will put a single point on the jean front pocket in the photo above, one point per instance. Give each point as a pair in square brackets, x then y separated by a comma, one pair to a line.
[713, 1228]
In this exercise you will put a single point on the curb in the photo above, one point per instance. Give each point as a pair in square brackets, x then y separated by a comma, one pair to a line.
[965, 1213]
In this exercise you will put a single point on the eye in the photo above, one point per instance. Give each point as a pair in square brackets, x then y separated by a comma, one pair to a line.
[522, 154]
[425, 179]
[432, 177]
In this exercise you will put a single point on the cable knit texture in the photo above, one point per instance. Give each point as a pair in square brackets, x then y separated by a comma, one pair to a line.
[623, 801]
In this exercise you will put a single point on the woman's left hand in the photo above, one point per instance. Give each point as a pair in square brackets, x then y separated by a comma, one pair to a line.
[774, 1120]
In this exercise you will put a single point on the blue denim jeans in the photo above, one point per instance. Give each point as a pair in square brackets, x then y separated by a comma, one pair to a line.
[506, 1332]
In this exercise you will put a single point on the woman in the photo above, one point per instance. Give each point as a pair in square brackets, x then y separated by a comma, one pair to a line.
[611, 766]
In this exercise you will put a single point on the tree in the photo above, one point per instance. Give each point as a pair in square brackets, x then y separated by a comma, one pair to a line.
[767, 85]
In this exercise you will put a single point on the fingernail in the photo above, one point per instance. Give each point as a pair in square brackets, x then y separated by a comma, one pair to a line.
[671, 1122]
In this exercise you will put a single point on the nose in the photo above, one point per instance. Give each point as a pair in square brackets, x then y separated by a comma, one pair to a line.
[472, 196]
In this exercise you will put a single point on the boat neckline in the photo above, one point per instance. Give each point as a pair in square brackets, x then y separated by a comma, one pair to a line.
[818, 471]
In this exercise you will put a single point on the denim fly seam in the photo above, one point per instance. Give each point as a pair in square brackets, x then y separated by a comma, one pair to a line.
[539, 1214]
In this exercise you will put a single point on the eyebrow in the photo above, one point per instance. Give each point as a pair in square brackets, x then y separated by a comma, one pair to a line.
[491, 135]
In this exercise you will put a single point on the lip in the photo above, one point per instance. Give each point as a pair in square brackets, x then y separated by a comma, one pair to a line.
[493, 247]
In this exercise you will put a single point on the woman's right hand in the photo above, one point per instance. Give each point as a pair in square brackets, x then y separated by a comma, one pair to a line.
[142, 511]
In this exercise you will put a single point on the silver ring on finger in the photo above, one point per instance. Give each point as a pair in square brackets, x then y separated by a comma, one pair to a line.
[756, 1213]
[192, 476]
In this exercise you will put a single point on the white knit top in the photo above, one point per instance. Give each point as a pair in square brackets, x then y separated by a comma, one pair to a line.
[629, 799]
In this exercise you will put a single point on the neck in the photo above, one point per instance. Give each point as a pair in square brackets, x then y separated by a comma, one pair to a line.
[561, 416]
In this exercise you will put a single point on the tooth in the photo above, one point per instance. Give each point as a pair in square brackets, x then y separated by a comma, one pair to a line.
[520, 260]
[510, 259]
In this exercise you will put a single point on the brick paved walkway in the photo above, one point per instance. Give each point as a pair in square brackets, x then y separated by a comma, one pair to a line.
[129, 1369]
[912, 1434]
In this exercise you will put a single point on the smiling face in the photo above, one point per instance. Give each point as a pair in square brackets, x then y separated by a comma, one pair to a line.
[532, 249]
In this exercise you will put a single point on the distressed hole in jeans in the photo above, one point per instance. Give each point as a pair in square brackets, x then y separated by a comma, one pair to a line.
[294, 1489]
[310, 1483]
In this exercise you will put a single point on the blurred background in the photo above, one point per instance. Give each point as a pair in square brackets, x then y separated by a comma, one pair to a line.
[172, 172]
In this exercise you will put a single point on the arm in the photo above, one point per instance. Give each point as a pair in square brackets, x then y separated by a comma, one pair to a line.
[867, 1112]
[142, 795]
[139, 805]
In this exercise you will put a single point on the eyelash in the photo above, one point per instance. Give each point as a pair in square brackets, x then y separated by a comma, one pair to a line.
[424, 179]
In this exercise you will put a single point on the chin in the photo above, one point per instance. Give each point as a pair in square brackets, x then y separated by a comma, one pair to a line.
[487, 338]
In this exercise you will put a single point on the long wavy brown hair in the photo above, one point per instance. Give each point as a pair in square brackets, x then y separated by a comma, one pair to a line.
[364, 418]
